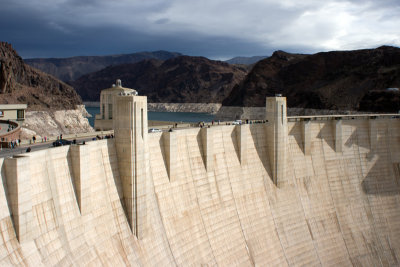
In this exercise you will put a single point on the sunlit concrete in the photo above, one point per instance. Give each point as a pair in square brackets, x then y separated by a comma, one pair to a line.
[208, 197]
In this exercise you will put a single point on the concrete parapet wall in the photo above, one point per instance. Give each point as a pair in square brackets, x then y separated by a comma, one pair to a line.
[330, 208]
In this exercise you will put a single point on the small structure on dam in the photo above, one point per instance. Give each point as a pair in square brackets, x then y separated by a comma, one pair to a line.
[104, 120]
[316, 190]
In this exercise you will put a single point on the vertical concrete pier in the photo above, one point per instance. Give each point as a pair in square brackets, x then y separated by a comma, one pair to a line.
[306, 135]
[19, 195]
[277, 136]
[207, 138]
[337, 130]
[170, 148]
[241, 135]
[80, 158]
[130, 128]
[373, 132]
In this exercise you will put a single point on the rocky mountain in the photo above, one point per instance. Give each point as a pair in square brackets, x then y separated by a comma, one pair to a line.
[380, 101]
[346, 80]
[245, 60]
[69, 69]
[20, 83]
[180, 79]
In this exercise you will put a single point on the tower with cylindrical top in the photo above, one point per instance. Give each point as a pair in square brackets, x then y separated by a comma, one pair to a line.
[277, 136]
[104, 120]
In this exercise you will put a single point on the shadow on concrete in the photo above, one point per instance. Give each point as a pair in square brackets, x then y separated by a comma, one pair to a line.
[72, 176]
[201, 147]
[362, 141]
[353, 139]
[235, 142]
[111, 149]
[261, 149]
[356, 139]
[5, 186]
[382, 179]
[326, 134]
[161, 143]
[297, 133]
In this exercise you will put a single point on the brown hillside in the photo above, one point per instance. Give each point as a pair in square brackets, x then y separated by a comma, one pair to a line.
[69, 69]
[329, 80]
[180, 79]
[20, 83]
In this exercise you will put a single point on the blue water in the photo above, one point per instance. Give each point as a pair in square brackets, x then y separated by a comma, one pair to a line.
[163, 116]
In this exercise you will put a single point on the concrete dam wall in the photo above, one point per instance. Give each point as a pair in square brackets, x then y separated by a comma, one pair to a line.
[210, 196]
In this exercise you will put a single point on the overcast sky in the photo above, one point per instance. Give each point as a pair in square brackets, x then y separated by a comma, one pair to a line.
[218, 29]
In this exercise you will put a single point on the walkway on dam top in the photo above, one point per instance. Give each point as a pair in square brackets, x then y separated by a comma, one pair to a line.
[8, 152]
[344, 117]
[21, 149]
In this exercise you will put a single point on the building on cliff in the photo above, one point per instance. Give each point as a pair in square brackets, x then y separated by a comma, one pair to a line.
[11, 116]
[14, 112]
[316, 190]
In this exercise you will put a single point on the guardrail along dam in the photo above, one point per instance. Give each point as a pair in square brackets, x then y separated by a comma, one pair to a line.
[294, 191]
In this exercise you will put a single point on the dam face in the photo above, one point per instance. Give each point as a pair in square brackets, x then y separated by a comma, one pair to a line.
[209, 196]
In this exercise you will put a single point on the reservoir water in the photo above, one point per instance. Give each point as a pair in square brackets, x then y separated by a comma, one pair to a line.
[163, 116]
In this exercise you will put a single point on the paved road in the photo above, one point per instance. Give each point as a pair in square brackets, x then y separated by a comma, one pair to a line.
[9, 152]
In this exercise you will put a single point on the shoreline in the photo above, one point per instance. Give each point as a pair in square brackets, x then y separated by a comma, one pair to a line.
[211, 108]
[232, 112]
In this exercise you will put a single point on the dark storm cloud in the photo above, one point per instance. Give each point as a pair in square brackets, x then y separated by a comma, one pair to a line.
[216, 29]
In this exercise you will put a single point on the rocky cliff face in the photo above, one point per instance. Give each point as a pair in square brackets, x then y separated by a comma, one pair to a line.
[380, 101]
[53, 123]
[211, 108]
[69, 69]
[177, 80]
[20, 83]
[260, 80]
[329, 80]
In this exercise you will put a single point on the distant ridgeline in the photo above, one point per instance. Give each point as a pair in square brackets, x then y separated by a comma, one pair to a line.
[317, 190]
[358, 80]
[69, 69]
[338, 80]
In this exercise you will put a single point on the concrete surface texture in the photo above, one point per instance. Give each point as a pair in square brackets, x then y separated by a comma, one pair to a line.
[208, 197]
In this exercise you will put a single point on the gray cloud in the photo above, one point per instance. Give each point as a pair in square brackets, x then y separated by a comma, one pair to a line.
[162, 21]
[217, 29]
